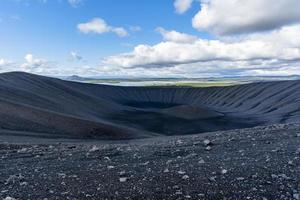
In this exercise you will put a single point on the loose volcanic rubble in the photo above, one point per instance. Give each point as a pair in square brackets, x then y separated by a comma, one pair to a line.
[255, 163]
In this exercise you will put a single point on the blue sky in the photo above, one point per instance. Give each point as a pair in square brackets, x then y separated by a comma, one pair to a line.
[43, 36]
[49, 29]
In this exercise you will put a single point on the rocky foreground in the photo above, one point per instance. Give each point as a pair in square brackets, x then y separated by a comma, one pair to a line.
[258, 163]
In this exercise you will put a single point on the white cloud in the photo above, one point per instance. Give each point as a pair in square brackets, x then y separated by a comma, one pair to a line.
[33, 64]
[99, 26]
[174, 36]
[96, 25]
[224, 17]
[257, 53]
[4, 63]
[75, 56]
[121, 32]
[181, 6]
[75, 3]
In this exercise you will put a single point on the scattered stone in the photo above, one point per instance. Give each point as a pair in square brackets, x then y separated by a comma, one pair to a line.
[9, 198]
[185, 177]
[23, 183]
[208, 148]
[207, 142]
[179, 141]
[122, 173]
[107, 158]
[23, 150]
[178, 192]
[123, 179]
[254, 176]
[240, 178]
[14, 178]
[274, 176]
[94, 148]
[212, 178]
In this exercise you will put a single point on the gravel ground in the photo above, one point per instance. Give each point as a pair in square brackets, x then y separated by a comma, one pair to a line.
[258, 163]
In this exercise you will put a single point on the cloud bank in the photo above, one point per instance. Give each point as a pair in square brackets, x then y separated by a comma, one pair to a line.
[276, 50]
[252, 37]
[224, 17]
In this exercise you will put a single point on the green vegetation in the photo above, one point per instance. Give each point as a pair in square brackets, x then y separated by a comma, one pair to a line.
[197, 84]
[103, 81]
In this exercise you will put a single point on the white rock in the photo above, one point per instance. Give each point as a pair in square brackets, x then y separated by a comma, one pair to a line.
[290, 162]
[179, 141]
[106, 158]
[208, 148]
[213, 178]
[207, 142]
[123, 179]
[122, 173]
[94, 148]
[185, 177]
[23, 183]
[22, 150]
[9, 198]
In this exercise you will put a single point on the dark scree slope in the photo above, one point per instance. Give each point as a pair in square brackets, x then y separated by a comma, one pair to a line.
[49, 107]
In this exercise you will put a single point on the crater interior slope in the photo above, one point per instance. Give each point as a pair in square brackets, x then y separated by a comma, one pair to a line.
[49, 107]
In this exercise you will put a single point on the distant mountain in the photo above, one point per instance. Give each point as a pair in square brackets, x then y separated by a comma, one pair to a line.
[77, 78]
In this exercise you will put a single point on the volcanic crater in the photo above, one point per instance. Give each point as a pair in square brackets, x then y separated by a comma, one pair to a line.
[49, 107]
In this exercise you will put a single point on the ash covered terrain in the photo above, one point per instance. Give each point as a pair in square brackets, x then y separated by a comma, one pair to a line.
[68, 140]
[257, 163]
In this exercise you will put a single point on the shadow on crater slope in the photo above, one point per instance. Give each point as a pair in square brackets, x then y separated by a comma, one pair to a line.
[49, 107]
